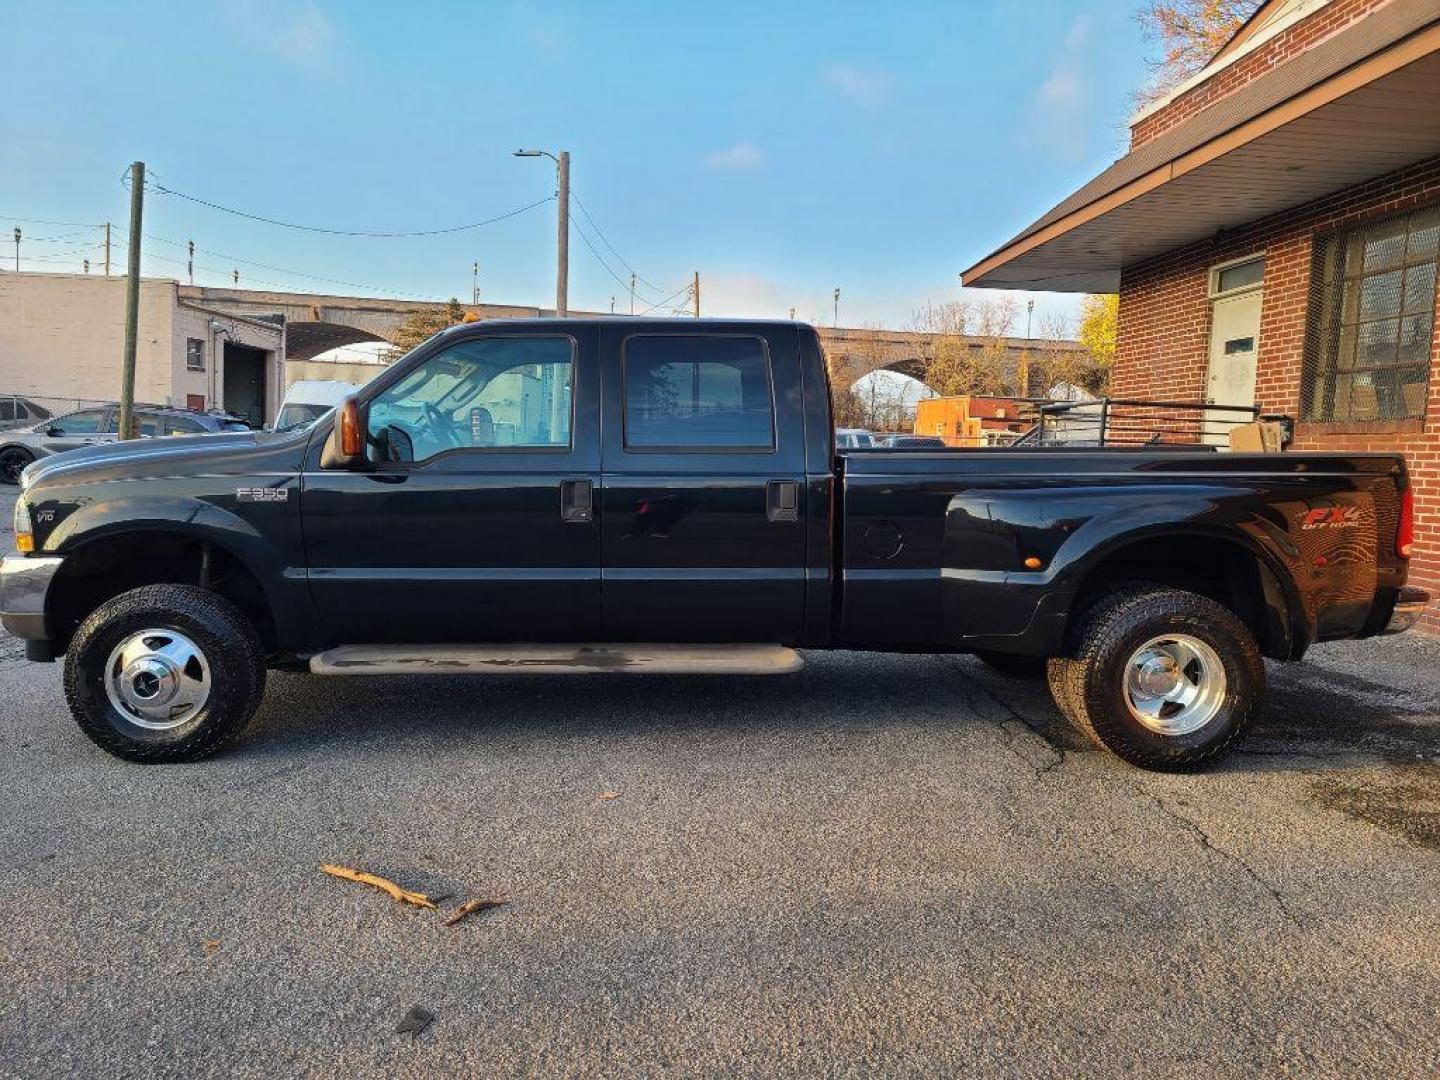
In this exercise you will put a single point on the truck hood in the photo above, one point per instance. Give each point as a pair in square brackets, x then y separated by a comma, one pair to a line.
[236, 453]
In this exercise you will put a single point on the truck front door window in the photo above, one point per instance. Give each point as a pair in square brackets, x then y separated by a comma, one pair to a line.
[502, 393]
[698, 392]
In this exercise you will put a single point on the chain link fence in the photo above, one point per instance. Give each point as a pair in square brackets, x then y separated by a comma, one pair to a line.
[26, 410]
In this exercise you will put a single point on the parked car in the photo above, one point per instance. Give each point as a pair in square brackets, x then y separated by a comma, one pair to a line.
[915, 442]
[853, 439]
[90, 427]
[309, 399]
[18, 411]
[596, 495]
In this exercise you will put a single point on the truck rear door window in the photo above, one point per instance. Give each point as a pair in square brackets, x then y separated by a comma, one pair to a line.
[698, 392]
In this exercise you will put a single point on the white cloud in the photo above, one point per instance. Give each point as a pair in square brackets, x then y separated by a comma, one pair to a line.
[868, 87]
[1078, 35]
[300, 34]
[1056, 118]
[308, 36]
[741, 157]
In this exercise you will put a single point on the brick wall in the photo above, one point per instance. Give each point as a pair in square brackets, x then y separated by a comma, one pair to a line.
[1314, 28]
[1164, 336]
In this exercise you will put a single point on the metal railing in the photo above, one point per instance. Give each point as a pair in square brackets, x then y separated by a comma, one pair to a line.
[1136, 423]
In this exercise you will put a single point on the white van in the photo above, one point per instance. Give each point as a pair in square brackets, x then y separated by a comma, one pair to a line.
[309, 399]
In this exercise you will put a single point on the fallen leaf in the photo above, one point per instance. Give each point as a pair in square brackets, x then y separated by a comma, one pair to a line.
[211, 944]
[384, 884]
[416, 1020]
[470, 907]
[609, 795]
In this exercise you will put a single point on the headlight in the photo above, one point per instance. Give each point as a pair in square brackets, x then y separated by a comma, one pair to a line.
[24, 528]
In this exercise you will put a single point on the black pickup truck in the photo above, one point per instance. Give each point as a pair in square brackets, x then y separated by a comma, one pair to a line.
[636, 495]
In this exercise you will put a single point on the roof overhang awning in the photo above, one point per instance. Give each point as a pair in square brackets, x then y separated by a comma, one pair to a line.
[1369, 118]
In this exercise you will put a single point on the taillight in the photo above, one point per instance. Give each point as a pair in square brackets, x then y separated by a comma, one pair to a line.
[1405, 535]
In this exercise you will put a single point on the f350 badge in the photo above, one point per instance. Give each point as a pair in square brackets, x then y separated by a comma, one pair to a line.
[1331, 517]
[262, 494]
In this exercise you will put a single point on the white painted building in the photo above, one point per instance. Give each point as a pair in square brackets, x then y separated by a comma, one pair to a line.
[62, 338]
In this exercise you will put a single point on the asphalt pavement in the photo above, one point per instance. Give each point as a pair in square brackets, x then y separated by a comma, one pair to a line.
[881, 865]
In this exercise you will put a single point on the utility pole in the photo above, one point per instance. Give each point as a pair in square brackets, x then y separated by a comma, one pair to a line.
[562, 276]
[562, 268]
[792, 314]
[107, 249]
[190, 263]
[1029, 314]
[87, 266]
[632, 292]
[836, 324]
[17, 249]
[235, 276]
[475, 285]
[132, 301]
[612, 305]
[697, 294]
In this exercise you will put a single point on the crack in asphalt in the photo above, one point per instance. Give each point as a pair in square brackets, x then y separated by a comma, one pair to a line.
[1204, 840]
[1056, 753]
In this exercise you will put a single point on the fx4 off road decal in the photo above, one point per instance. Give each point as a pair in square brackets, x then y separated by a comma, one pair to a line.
[1331, 517]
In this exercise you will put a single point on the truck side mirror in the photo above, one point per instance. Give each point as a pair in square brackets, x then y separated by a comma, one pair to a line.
[345, 448]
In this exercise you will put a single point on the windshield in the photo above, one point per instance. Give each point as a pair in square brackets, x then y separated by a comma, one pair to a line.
[294, 416]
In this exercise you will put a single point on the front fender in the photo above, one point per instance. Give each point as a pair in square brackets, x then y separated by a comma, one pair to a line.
[90, 517]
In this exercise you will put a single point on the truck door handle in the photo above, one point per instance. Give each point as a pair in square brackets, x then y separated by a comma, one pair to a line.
[576, 500]
[782, 500]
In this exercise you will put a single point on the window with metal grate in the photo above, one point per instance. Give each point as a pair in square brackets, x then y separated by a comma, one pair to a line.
[1371, 320]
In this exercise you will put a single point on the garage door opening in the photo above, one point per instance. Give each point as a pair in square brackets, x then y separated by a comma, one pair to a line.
[244, 391]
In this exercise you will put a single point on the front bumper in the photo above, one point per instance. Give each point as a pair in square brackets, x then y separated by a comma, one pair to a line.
[24, 584]
[1409, 603]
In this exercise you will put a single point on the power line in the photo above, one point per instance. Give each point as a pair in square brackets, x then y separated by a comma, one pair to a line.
[606, 241]
[684, 289]
[287, 270]
[47, 221]
[162, 189]
[598, 257]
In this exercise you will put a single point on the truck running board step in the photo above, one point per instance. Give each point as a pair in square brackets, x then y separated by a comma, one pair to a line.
[556, 660]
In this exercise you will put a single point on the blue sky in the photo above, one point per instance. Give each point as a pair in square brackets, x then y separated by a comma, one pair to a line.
[781, 149]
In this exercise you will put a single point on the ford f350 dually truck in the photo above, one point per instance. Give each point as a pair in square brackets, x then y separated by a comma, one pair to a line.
[636, 495]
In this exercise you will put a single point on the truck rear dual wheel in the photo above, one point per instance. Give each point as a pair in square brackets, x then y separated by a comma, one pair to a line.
[1165, 679]
[164, 673]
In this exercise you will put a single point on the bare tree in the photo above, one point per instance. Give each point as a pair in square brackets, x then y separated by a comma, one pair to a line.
[1189, 33]
[425, 324]
[970, 344]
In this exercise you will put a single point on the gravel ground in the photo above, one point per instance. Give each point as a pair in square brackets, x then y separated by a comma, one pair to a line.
[883, 864]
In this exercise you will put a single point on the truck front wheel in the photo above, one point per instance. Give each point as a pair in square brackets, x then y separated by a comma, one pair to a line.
[164, 673]
[1164, 679]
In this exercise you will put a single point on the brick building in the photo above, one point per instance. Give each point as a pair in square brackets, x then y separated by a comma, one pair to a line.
[1273, 233]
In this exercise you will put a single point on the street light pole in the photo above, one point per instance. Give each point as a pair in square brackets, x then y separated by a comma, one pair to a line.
[562, 267]
[562, 271]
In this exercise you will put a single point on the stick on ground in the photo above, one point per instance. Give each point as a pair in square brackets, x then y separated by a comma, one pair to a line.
[470, 907]
[396, 893]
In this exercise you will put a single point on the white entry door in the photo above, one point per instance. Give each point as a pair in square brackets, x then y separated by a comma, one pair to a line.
[1234, 339]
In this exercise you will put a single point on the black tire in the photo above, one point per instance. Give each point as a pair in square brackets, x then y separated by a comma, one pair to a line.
[12, 460]
[1092, 679]
[1014, 664]
[233, 661]
[1056, 669]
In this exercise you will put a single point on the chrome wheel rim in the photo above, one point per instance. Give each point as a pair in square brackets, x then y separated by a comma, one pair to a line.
[1174, 684]
[157, 679]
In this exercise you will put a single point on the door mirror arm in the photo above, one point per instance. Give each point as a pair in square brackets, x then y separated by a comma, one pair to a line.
[345, 446]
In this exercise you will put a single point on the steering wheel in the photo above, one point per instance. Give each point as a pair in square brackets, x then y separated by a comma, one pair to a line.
[438, 428]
